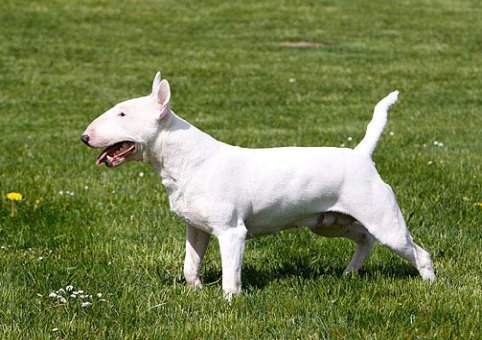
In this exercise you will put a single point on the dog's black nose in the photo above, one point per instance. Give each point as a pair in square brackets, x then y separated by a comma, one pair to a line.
[85, 139]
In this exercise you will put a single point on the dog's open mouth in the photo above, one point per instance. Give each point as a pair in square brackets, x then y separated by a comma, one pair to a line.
[116, 154]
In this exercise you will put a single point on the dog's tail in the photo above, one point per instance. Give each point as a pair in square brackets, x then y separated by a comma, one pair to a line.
[376, 125]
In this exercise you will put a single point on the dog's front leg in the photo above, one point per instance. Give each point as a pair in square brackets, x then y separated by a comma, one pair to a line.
[196, 244]
[231, 245]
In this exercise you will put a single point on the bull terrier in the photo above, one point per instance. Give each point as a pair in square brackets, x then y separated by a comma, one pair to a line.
[236, 193]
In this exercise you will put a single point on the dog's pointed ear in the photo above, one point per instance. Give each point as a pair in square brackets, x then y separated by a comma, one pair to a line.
[163, 94]
[156, 82]
[163, 97]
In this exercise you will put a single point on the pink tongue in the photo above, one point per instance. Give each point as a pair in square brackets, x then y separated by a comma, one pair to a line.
[100, 159]
[124, 152]
[110, 150]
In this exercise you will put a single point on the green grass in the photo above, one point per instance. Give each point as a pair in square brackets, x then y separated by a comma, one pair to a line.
[62, 63]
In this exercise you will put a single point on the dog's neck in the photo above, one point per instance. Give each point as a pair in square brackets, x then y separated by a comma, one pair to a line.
[177, 151]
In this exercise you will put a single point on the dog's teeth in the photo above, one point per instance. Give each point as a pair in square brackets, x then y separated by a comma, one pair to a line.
[109, 158]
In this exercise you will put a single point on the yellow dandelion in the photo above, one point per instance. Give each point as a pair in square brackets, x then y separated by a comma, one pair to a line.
[14, 196]
[478, 204]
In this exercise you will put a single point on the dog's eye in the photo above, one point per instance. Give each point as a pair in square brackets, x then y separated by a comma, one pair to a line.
[122, 114]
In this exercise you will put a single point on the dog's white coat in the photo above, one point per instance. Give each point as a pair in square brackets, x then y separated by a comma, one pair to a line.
[235, 193]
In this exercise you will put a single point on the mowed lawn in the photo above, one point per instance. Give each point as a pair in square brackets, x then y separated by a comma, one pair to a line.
[95, 253]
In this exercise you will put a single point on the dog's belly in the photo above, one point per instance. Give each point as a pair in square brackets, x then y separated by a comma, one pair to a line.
[274, 226]
[277, 209]
[290, 189]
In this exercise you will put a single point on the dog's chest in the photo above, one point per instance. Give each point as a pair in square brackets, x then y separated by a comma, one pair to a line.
[190, 210]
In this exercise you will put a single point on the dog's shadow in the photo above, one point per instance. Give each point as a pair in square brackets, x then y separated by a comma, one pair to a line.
[254, 277]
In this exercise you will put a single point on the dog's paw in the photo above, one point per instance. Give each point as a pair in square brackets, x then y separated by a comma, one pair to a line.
[427, 275]
[350, 273]
[230, 295]
[193, 281]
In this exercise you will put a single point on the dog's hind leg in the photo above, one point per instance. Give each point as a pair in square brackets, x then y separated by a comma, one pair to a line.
[364, 245]
[333, 224]
[383, 219]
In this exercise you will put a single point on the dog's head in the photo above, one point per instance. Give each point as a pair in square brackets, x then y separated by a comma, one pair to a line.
[126, 129]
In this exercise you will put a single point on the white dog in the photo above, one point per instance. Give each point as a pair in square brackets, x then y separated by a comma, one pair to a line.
[235, 193]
